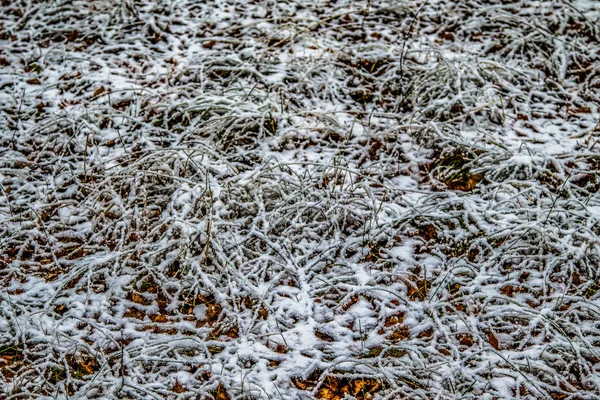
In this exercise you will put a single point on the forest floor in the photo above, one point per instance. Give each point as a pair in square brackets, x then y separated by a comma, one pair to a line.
[257, 199]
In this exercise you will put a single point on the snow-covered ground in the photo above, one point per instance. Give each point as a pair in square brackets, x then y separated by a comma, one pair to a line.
[292, 199]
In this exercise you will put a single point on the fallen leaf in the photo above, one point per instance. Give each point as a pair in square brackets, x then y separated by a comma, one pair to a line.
[99, 91]
[220, 393]
[493, 341]
[178, 387]
[465, 339]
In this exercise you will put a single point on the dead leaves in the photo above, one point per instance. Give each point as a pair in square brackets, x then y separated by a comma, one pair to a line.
[419, 290]
[203, 309]
[82, 365]
[465, 339]
[394, 329]
[455, 170]
[324, 336]
[466, 182]
[418, 287]
[220, 393]
[11, 360]
[137, 298]
[338, 387]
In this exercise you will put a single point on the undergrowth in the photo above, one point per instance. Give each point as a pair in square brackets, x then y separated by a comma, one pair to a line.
[258, 199]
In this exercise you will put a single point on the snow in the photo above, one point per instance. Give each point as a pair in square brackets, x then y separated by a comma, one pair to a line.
[251, 199]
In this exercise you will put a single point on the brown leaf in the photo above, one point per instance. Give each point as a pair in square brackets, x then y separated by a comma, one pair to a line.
[427, 232]
[51, 276]
[493, 341]
[394, 329]
[133, 313]
[508, 290]
[464, 183]
[61, 309]
[399, 333]
[263, 313]
[159, 318]
[301, 384]
[178, 387]
[99, 91]
[324, 336]
[308, 383]
[281, 349]
[274, 363]
[220, 393]
[420, 292]
[465, 339]
[361, 387]
[231, 331]
[83, 365]
[426, 334]
[583, 110]
[448, 36]
[444, 351]
[338, 388]
[395, 319]
[137, 298]
[353, 300]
